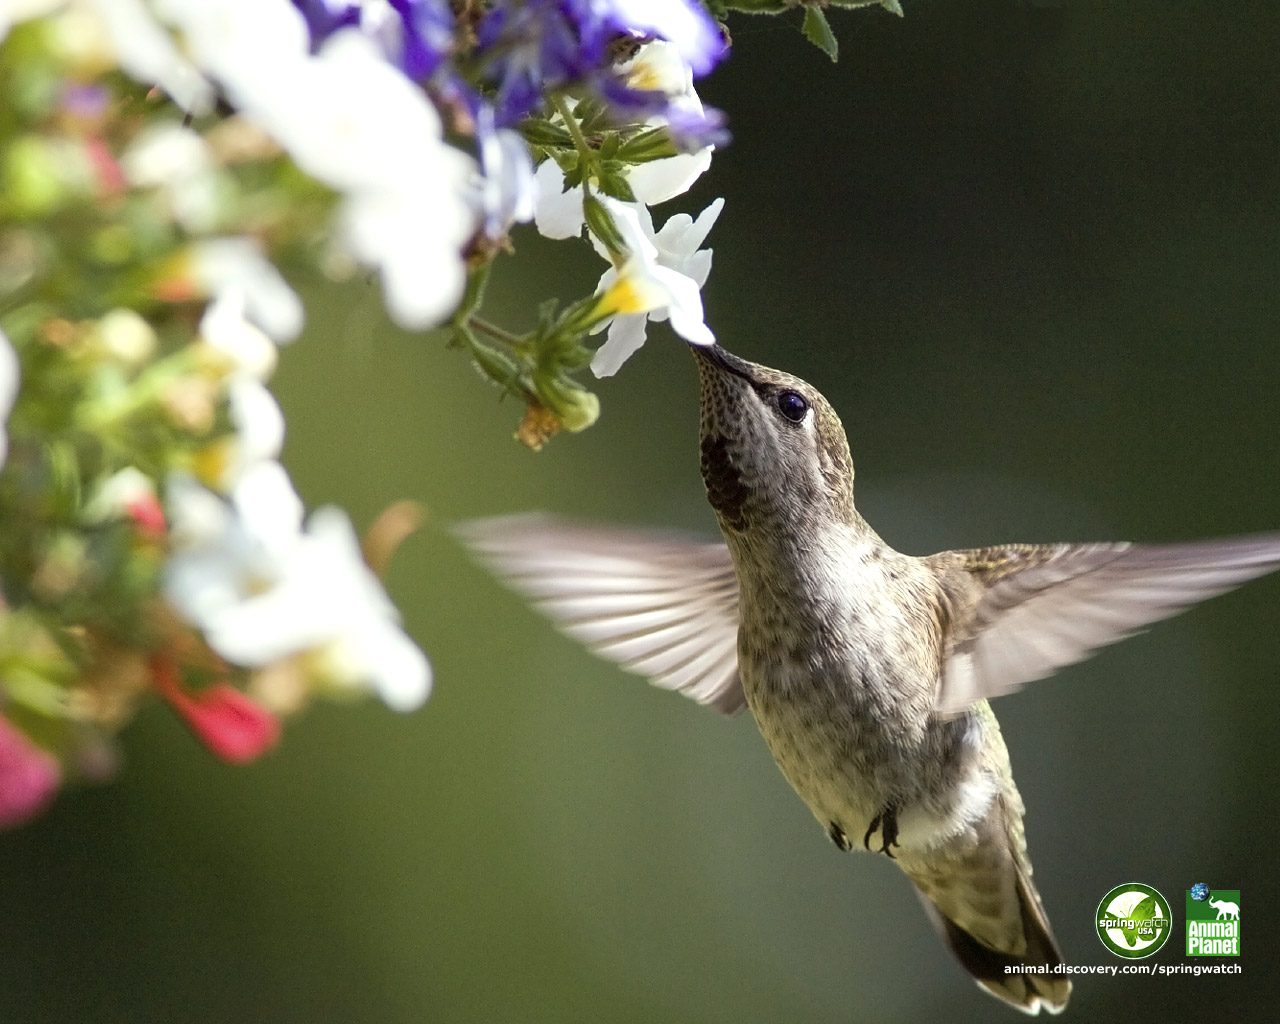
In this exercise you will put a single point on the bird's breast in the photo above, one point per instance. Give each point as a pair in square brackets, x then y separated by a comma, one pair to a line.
[840, 672]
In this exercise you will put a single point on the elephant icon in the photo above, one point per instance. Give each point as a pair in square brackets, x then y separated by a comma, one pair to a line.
[1226, 909]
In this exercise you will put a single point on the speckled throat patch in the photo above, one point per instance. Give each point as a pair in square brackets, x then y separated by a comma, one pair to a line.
[725, 490]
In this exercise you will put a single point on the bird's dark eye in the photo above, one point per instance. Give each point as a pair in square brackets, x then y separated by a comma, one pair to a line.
[792, 406]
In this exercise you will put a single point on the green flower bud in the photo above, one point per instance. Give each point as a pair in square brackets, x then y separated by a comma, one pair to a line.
[574, 406]
[601, 225]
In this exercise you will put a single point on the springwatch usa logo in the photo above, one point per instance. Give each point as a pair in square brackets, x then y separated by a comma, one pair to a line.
[1133, 920]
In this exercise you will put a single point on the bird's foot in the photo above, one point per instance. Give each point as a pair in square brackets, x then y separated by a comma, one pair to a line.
[838, 837]
[887, 822]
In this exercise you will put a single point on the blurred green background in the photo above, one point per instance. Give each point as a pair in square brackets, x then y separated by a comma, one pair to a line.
[1030, 252]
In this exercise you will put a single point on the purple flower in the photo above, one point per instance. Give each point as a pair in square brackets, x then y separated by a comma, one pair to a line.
[692, 125]
[325, 17]
[694, 129]
[683, 23]
[528, 48]
[531, 47]
[426, 35]
[415, 35]
[87, 101]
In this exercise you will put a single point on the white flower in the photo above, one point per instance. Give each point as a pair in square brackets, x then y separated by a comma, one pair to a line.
[659, 180]
[656, 66]
[146, 52]
[257, 418]
[261, 588]
[241, 357]
[507, 187]
[557, 211]
[10, 375]
[345, 115]
[670, 259]
[659, 66]
[329, 593]
[356, 123]
[178, 160]
[221, 264]
[244, 45]
[406, 233]
[198, 519]
[407, 211]
[243, 346]
[223, 552]
[259, 435]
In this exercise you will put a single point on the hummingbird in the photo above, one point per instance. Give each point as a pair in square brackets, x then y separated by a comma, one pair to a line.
[868, 672]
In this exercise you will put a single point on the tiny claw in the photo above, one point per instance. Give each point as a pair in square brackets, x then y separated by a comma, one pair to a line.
[887, 822]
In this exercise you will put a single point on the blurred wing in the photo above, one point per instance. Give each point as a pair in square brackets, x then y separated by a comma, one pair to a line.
[663, 608]
[1046, 607]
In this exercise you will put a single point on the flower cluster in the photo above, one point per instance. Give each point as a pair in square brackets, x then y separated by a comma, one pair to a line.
[162, 159]
[599, 94]
[524, 52]
[152, 542]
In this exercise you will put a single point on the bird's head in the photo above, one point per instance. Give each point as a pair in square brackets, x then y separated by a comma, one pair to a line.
[774, 454]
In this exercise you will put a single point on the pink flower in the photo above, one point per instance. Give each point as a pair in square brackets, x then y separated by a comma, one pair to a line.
[148, 516]
[29, 776]
[234, 727]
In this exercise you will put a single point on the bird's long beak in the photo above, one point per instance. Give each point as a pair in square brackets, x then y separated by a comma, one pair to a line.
[715, 356]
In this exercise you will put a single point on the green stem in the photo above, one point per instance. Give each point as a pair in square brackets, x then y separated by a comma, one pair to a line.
[575, 129]
[474, 298]
[494, 331]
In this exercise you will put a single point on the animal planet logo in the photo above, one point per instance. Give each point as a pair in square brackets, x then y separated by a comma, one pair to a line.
[1213, 921]
[1133, 920]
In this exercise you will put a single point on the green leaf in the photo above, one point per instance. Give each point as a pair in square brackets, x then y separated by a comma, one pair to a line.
[573, 177]
[576, 356]
[756, 6]
[892, 6]
[540, 132]
[500, 369]
[609, 148]
[499, 366]
[613, 182]
[546, 318]
[576, 318]
[818, 31]
[590, 113]
[650, 144]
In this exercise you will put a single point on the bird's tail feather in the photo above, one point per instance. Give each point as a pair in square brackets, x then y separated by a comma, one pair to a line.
[1027, 981]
